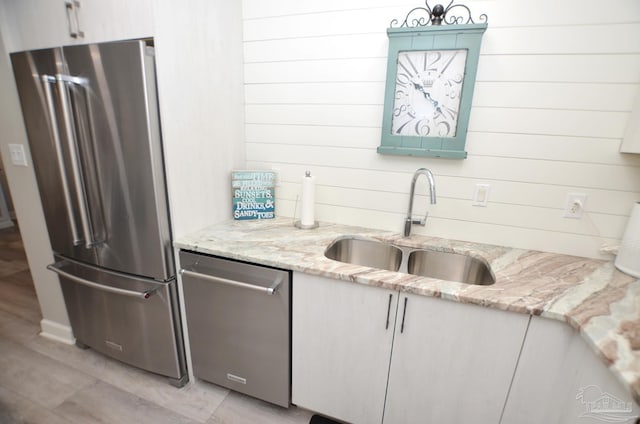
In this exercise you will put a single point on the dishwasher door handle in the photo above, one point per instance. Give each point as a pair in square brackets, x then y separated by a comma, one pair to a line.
[268, 290]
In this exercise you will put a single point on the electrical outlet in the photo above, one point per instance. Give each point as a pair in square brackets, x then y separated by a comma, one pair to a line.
[481, 195]
[574, 206]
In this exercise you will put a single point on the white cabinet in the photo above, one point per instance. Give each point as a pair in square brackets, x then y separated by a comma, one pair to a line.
[341, 344]
[110, 20]
[447, 362]
[451, 362]
[559, 380]
[36, 24]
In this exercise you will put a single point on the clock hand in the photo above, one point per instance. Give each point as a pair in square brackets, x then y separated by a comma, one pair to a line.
[435, 102]
[420, 88]
[427, 96]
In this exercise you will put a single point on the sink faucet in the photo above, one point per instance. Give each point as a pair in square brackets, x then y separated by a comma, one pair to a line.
[432, 195]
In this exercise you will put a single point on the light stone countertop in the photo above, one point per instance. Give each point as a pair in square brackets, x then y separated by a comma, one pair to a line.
[591, 295]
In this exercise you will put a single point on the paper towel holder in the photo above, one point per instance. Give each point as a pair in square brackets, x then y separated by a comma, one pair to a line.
[299, 224]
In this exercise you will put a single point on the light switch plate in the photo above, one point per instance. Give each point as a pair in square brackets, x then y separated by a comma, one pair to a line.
[18, 156]
[481, 195]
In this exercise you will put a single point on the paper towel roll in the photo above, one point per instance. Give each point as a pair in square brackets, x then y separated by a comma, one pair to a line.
[628, 259]
[307, 217]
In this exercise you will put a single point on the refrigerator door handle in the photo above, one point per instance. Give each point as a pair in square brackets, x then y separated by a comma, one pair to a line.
[47, 80]
[268, 290]
[131, 293]
[78, 179]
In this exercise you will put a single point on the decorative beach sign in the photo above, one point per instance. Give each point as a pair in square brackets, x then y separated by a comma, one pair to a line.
[253, 194]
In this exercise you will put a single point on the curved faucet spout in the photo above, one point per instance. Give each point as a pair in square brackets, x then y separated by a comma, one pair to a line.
[432, 195]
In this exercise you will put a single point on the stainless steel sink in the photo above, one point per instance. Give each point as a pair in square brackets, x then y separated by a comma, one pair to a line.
[449, 266]
[365, 252]
[423, 262]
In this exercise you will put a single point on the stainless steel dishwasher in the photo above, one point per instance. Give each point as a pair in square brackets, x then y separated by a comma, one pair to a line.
[239, 326]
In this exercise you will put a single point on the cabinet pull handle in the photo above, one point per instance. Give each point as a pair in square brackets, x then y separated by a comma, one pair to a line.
[72, 7]
[386, 327]
[69, 8]
[75, 11]
[404, 312]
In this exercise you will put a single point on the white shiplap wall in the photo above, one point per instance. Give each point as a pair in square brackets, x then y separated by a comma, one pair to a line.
[555, 86]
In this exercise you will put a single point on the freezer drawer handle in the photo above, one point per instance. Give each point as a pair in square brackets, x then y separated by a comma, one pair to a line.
[268, 290]
[115, 290]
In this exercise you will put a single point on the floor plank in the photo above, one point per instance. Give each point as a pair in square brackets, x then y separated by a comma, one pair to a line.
[197, 400]
[17, 409]
[240, 409]
[38, 377]
[20, 301]
[104, 404]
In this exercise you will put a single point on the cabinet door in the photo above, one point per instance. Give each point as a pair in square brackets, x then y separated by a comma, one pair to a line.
[37, 24]
[341, 345]
[115, 20]
[451, 362]
[34, 24]
[559, 380]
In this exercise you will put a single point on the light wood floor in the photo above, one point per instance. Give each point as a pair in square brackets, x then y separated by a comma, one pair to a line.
[43, 381]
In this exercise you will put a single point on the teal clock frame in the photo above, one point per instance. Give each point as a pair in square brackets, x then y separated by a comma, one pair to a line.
[449, 37]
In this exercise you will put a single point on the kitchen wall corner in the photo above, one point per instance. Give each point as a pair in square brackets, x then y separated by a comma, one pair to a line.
[26, 200]
[200, 89]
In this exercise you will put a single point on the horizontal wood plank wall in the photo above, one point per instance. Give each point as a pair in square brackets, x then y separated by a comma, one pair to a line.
[553, 95]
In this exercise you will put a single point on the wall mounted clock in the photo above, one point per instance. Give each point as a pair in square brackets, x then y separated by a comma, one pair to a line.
[431, 72]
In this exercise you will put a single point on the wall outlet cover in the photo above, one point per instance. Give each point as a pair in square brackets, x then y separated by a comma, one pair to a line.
[574, 206]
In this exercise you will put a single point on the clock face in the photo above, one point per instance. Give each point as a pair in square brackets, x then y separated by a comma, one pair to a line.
[427, 93]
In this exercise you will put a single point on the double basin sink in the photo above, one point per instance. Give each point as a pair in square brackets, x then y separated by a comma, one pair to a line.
[448, 266]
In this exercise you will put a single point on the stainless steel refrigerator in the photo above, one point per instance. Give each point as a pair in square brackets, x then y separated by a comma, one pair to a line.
[92, 120]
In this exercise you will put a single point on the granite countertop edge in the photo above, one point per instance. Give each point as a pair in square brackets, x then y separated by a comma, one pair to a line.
[591, 295]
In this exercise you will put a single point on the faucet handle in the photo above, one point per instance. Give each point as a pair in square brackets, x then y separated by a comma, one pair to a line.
[422, 221]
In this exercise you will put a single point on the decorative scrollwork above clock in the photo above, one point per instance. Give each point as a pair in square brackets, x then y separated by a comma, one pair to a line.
[452, 14]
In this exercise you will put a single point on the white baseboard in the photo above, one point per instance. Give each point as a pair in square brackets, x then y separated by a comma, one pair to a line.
[56, 331]
[6, 223]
